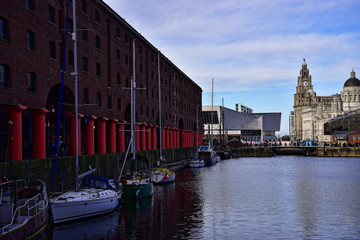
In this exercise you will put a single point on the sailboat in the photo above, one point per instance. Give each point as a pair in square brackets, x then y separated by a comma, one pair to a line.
[138, 184]
[207, 152]
[81, 202]
[161, 174]
[197, 161]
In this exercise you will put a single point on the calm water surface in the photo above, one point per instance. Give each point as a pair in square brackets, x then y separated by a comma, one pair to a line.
[284, 197]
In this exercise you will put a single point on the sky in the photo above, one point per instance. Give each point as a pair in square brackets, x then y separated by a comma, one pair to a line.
[253, 49]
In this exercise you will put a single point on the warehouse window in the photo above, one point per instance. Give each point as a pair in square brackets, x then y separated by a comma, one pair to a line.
[98, 70]
[118, 78]
[31, 82]
[85, 64]
[4, 76]
[86, 96]
[118, 104]
[4, 28]
[30, 40]
[52, 49]
[84, 35]
[97, 16]
[118, 54]
[98, 99]
[84, 6]
[118, 32]
[29, 4]
[71, 58]
[97, 42]
[51, 12]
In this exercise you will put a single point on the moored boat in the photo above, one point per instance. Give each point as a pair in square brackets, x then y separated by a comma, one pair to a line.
[207, 154]
[87, 202]
[81, 202]
[196, 162]
[135, 185]
[137, 188]
[23, 209]
[162, 175]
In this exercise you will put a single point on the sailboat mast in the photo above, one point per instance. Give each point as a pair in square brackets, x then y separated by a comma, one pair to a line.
[212, 112]
[133, 86]
[197, 128]
[160, 113]
[75, 74]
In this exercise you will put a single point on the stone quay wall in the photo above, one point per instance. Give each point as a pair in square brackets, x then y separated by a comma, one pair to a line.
[306, 151]
[108, 165]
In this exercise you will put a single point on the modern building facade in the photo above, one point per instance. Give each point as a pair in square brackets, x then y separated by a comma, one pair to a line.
[224, 124]
[311, 111]
[36, 49]
[242, 108]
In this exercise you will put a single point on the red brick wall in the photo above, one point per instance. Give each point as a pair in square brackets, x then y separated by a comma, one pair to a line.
[180, 93]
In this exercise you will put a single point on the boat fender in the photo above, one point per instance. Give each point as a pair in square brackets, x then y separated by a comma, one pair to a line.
[166, 176]
[123, 181]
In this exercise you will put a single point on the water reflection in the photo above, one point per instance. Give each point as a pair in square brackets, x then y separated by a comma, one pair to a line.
[248, 198]
[96, 228]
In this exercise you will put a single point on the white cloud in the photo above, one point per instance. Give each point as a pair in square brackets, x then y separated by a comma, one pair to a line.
[248, 46]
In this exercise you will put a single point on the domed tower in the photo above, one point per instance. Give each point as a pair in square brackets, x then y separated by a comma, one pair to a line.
[350, 95]
[303, 98]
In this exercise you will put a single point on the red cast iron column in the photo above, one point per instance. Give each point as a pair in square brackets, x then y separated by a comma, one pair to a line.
[153, 137]
[143, 136]
[39, 139]
[102, 135]
[73, 134]
[112, 135]
[121, 137]
[89, 136]
[137, 144]
[148, 137]
[15, 117]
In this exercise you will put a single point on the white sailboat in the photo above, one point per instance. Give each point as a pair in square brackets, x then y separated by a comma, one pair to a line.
[161, 174]
[84, 202]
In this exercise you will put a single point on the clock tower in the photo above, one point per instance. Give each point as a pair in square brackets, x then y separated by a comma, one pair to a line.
[304, 97]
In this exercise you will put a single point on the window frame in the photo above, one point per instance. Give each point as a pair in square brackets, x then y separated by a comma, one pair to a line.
[31, 82]
[51, 14]
[4, 29]
[5, 76]
[30, 40]
[52, 49]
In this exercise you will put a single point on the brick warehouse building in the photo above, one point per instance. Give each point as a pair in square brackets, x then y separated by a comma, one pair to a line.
[32, 39]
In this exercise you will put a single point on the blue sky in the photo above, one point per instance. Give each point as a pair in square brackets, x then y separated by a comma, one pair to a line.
[253, 49]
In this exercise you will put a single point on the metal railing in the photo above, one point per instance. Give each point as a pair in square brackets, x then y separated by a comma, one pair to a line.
[31, 207]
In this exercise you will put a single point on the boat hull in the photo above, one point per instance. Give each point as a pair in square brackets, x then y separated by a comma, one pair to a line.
[31, 215]
[162, 175]
[68, 210]
[196, 164]
[30, 229]
[210, 161]
[168, 179]
[133, 189]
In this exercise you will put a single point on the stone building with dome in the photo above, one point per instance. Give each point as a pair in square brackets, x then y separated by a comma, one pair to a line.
[311, 112]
